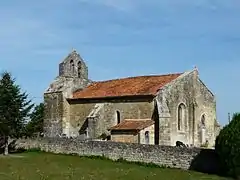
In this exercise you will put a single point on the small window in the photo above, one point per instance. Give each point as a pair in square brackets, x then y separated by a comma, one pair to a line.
[72, 66]
[118, 117]
[147, 137]
[86, 132]
[79, 69]
[61, 69]
[181, 116]
[203, 119]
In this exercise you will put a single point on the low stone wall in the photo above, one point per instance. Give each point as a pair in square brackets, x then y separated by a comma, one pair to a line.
[175, 157]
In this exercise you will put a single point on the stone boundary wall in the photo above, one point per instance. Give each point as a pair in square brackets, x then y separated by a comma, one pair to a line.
[203, 160]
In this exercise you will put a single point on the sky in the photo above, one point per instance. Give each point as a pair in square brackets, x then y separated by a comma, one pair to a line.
[119, 38]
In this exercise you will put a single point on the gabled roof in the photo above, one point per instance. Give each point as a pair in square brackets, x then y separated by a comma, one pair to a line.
[133, 124]
[131, 86]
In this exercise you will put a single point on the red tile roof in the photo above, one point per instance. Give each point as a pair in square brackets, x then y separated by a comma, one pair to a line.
[140, 85]
[133, 124]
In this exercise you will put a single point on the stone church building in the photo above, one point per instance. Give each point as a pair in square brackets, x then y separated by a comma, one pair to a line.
[156, 109]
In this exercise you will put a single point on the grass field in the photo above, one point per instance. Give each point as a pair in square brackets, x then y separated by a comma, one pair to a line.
[36, 166]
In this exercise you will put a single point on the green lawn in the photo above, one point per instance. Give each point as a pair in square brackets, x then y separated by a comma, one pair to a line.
[34, 166]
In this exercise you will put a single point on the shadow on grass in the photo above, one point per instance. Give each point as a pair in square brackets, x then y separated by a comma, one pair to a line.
[208, 162]
[11, 148]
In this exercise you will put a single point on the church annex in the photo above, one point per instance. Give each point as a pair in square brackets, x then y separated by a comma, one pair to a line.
[158, 109]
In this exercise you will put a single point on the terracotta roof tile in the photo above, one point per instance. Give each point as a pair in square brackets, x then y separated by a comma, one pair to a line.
[140, 85]
[133, 124]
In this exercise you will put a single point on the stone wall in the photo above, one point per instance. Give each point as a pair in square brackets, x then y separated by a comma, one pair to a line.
[150, 129]
[175, 157]
[53, 115]
[78, 117]
[106, 116]
[124, 137]
[197, 100]
[133, 136]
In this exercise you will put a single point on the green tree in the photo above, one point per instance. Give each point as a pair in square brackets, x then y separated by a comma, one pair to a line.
[14, 109]
[35, 125]
[228, 147]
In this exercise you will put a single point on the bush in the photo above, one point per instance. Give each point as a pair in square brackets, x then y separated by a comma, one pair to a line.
[228, 147]
[205, 145]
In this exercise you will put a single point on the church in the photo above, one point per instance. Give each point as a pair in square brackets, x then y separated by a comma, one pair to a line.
[152, 109]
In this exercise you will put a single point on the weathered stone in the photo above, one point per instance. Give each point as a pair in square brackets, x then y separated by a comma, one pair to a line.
[73, 75]
[175, 157]
[198, 100]
[93, 118]
[106, 116]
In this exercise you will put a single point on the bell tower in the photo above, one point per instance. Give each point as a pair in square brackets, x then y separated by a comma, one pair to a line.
[73, 75]
[73, 66]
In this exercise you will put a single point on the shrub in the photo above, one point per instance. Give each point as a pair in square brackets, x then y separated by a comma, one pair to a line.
[228, 147]
[205, 145]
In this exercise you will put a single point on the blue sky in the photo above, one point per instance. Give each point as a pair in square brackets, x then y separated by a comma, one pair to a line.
[120, 38]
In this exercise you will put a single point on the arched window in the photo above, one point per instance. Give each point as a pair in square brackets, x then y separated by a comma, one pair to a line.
[72, 66]
[118, 117]
[79, 69]
[203, 129]
[203, 119]
[181, 116]
[147, 137]
[61, 69]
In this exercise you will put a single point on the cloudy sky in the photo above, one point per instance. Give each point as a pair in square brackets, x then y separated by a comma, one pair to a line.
[120, 38]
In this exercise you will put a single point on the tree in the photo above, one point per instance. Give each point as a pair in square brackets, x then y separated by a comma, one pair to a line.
[14, 109]
[35, 125]
[228, 147]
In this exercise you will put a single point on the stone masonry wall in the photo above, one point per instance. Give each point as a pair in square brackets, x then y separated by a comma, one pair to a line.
[73, 66]
[106, 116]
[150, 129]
[53, 115]
[124, 137]
[175, 157]
[198, 101]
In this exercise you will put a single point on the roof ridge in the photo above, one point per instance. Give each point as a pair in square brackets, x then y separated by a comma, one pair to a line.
[143, 119]
[133, 77]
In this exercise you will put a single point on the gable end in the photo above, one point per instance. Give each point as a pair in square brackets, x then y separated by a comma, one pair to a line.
[206, 87]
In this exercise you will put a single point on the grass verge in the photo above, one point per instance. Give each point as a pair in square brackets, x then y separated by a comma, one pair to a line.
[41, 165]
